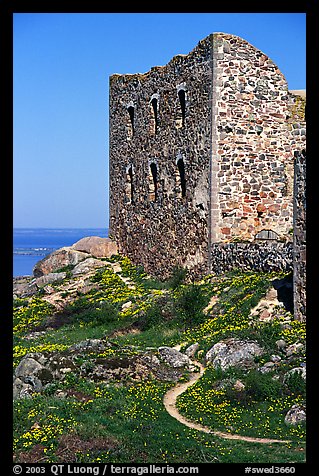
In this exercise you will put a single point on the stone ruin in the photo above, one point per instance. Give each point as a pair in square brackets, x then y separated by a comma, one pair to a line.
[207, 164]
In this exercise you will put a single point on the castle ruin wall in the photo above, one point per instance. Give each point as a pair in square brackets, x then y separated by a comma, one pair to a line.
[159, 163]
[202, 161]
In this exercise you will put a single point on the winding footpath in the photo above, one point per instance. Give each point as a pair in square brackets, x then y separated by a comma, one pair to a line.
[170, 404]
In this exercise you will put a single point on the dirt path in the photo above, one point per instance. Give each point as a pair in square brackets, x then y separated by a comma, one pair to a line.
[170, 405]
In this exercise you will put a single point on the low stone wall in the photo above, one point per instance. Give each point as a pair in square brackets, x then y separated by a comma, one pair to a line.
[264, 257]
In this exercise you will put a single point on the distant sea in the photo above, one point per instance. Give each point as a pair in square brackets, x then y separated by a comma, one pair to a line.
[30, 245]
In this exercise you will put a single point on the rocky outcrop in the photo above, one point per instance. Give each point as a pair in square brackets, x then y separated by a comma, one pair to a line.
[265, 308]
[21, 389]
[302, 371]
[233, 352]
[26, 379]
[96, 246]
[27, 286]
[78, 281]
[24, 286]
[86, 266]
[275, 361]
[93, 246]
[65, 256]
[173, 357]
[49, 279]
[294, 349]
[37, 370]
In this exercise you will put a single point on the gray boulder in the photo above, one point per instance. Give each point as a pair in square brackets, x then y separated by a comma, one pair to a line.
[233, 353]
[58, 259]
[173, 357]
[36, 370]
[295, 415]
[191, 350]
[28, 367]
[27, 378]
[281, 344]
[267, 367]
[21, 389]
[293, 349]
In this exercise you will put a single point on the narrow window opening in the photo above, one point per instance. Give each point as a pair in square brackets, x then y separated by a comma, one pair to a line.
[130, 110]
[130, 171]
[130, 185]
[181, 169]
[153, 183]
[155, 112]
[182, 101]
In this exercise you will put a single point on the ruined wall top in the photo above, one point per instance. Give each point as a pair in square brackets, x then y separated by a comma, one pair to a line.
[217, 40]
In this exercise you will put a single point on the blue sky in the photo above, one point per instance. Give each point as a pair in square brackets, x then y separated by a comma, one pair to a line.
[62, 63]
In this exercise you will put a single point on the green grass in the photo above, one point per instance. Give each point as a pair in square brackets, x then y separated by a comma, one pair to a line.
[129, 416]
[256, 411]
[135, 418]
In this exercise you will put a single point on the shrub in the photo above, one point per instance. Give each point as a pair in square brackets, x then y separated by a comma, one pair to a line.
[160, 311]
[177, 278]
[262, 386]
[81, 304]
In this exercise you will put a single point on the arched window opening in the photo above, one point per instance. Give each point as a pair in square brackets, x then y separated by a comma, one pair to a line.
[130, 111]
[154, 103]
[182, 101]
[181, 169]
[267, 235]
[129, 190]
[153, 182]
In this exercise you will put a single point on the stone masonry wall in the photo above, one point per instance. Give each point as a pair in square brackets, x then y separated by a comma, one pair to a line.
[259, 257]
[159, 166]
[253, 156]
[300, 237]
